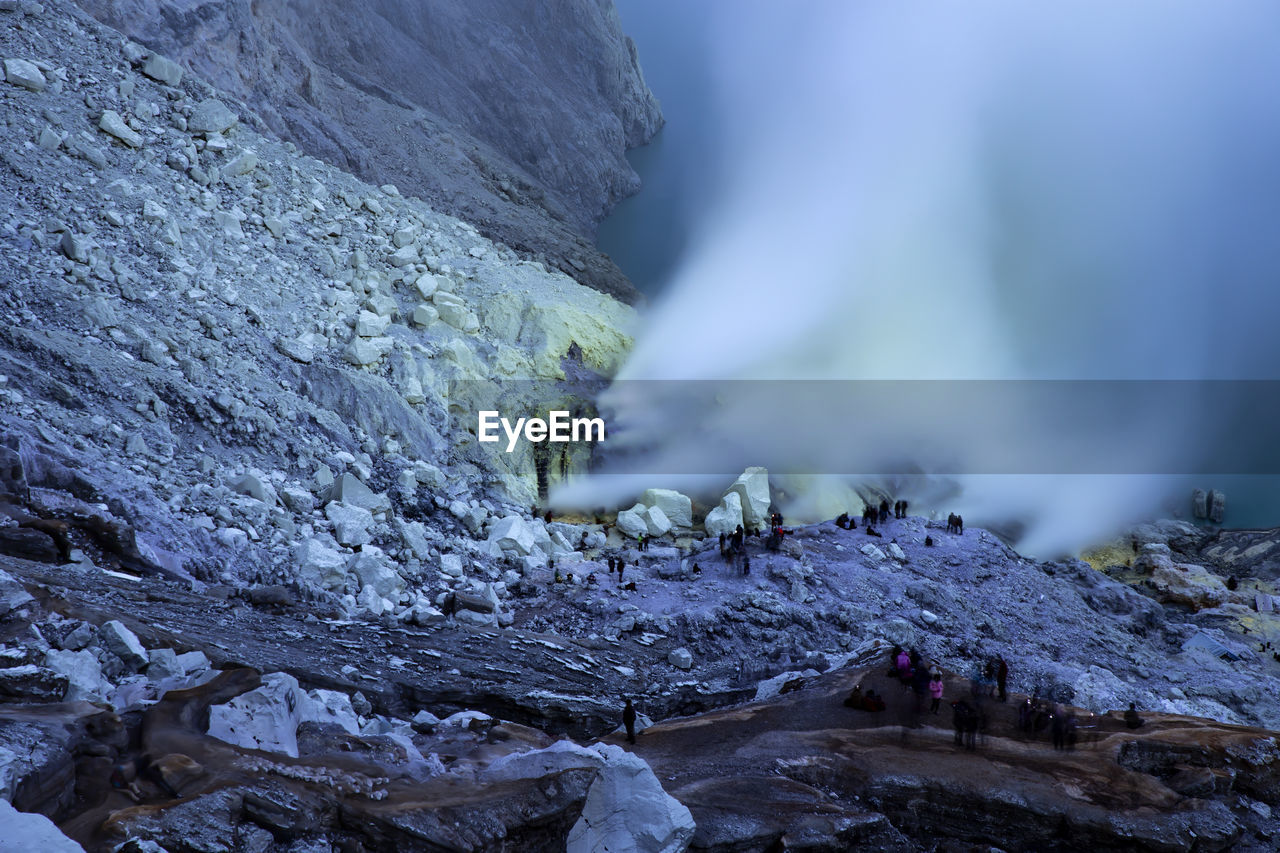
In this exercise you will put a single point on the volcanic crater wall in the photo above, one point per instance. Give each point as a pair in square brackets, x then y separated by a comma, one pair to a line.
[512, 116]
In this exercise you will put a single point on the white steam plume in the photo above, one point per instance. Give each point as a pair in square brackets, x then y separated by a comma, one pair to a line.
[982, 190]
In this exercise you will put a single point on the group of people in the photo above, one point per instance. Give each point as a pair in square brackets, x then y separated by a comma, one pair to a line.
[733, 544]
[1035, 715]
[955, 524]
[871, 513]
[909, 668]
[991, 679]
[868, 701]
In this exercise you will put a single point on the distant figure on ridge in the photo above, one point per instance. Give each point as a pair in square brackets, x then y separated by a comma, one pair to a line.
[629, 720]
[1131, 718]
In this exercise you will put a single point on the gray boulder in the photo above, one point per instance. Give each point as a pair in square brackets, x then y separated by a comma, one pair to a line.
[22, 73]
[163, 69]
[350, 523]
[124, 644]
[349, 490]
[511, 534]
[211, 116]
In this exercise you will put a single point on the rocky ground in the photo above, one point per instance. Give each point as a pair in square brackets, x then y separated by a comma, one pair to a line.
[246, 532]
[511, 117]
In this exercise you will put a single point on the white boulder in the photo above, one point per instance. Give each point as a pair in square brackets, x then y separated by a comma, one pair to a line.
[83, 672]
[426, 285]
[676, 507]
[371, 568]
[656, 520]
[680, 658]
[458, 316]
[163, 69]
[113, 125]
[873, 553]
[350, 523]
[123, 643]
[25, 831]
[371, 325]
[451, 565]
[423, 615]
[627, 811]
[256, 485]
[631, 523]
[414, 536]
[330, 706]
[348, 489]
[366, 351]
[163, 663]
[320, 564]
[752, 487]
[193, 662]
[22, 73]
[266, 718]
[372, 603]
[511, 534]
[425, 315]
[726, 517]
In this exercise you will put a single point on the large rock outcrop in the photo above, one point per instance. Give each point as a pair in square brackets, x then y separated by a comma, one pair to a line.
[506, 114]
[628, 812]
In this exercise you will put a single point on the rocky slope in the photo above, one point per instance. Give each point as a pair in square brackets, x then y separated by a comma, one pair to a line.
[199, 322]
[511, 116]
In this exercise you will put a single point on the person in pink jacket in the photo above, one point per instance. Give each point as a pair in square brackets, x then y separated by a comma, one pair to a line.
[935, 688]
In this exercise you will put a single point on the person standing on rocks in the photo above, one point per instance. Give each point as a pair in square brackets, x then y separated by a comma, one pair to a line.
[1059, 727]
[935, 689]
[903, 663]
[921, 686]
[629, 720]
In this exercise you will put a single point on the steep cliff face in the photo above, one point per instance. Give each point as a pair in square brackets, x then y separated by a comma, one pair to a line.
[512, 116]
